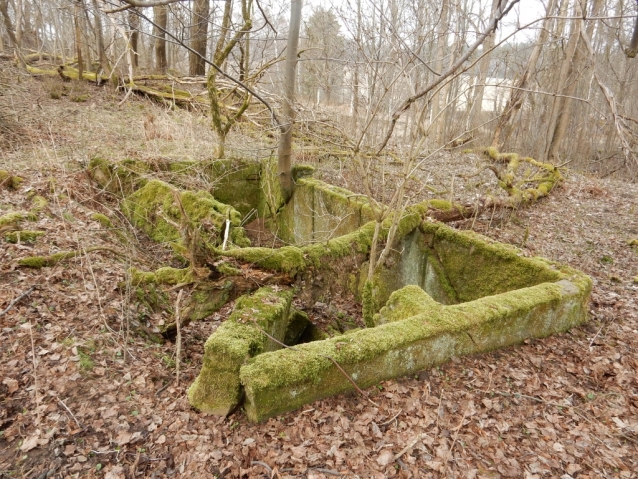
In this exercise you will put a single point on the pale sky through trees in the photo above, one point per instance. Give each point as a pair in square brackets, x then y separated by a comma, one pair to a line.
[522, 14]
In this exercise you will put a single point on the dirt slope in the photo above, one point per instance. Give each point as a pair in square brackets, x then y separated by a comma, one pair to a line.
[82, 396]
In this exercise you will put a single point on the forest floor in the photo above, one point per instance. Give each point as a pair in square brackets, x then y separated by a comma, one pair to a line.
[80, 396]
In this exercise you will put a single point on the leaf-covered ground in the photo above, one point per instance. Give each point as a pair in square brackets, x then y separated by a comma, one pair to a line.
[82, 395]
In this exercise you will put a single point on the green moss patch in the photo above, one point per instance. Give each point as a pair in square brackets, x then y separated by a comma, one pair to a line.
[23, 236]
[9, 181]
[154, 210]
[11, 219]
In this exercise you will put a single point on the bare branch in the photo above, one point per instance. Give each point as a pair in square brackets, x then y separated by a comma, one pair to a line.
[273, 115]
[500, 13]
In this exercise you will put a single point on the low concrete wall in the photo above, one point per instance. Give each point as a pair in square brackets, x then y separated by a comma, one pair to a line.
[285, 380]
[441, 293]
[217, 389]
[506, 299]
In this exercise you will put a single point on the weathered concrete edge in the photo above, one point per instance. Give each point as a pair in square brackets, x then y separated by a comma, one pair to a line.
[217, 388]
[287, 379]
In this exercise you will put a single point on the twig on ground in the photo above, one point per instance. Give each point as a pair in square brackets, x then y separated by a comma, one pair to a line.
[35, 372]
[69, 411]
[15, 301]
[178, 350]
[456, 433]
[163, 388]
[392, 418]
[410, 445]
[262, 464]
[329, 472]
[135, 463]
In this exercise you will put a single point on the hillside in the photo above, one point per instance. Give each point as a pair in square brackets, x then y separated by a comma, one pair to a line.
[84, 395]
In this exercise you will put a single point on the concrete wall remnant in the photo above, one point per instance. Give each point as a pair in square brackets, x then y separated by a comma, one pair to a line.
[441, 293]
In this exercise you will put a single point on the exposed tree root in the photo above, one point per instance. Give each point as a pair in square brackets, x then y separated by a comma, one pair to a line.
[521, 189]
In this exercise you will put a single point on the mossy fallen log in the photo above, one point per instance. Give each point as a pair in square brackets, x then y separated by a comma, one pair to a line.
[23, 236]
[52, 260]
[168, 94]
[69, 73]
[10, 181]
[521, 189]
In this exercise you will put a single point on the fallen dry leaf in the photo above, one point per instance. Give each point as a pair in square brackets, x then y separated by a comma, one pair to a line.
[385, 458]
[12, 385]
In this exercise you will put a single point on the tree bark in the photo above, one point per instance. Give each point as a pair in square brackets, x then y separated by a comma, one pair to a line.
[134, 27]
[479, 90]
[632, 50]
[199, 37]
[517, 95]
[438, 99]
[161, 19]
[284, 166]
[4, 9]
[79, 4]
[221, 123]
[99, 36]
[562, 107]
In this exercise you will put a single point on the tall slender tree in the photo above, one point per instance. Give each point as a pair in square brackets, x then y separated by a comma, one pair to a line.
[199, 37]
[284, 163]
[160, 12]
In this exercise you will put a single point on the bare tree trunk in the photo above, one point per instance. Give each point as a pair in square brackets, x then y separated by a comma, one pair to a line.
[284, 166]
[199, 37]
[19, 25]
[517, 94]
[484, 65]
[632, 50]
[561, 110]
[134, 27]
[161, 19]
[441, 49]
[223, 123]
[4, 9]
[355, 84]
[79, 4]
[99, 36]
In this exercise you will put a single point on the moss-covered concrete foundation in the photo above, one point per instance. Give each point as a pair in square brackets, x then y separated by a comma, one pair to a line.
[440, 292]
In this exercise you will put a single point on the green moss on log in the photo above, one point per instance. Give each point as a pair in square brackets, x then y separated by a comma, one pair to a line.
[10, 181]
[104, 220]
[11, 218]
[44, 261]
[24, 236]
